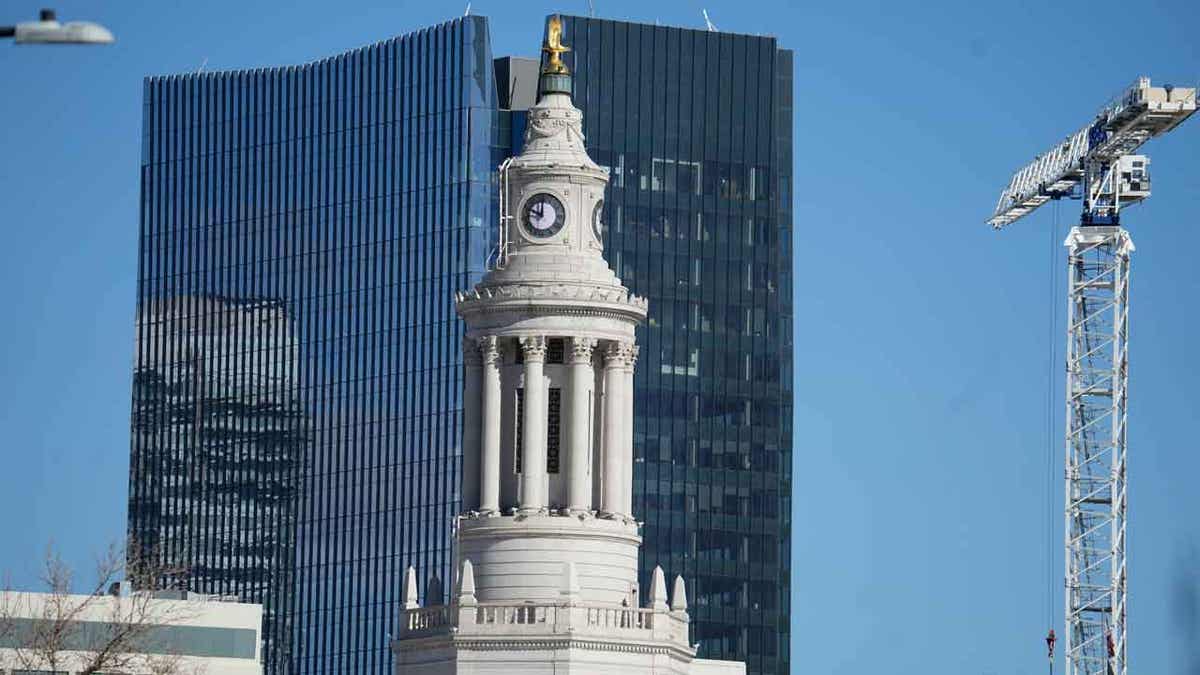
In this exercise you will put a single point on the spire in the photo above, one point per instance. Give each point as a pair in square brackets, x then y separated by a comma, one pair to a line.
[410, 589]
[658, 591]
[556, 77]
[466, 585]
[679, 595]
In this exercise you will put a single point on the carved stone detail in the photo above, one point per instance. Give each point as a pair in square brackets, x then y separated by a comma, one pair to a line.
[620, 355]
[527, 292]
[489, 350]
[554, 127]
[581, 350]
[533, 348]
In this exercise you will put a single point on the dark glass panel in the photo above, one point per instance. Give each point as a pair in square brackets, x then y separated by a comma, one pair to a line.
[696, 126]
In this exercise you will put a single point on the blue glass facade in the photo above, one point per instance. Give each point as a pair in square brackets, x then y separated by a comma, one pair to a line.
[296, 409]
[696, 127]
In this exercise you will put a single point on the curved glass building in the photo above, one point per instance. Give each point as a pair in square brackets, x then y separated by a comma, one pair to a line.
[296, 403]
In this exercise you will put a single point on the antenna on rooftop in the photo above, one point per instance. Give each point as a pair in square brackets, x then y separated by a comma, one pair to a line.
[712, 28]
[591, 9]
[468, 12]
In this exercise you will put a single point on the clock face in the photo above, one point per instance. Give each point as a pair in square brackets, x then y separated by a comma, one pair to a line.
[597, 224]
[544, 215]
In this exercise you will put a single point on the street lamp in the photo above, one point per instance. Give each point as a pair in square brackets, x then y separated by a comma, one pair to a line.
[47, 30]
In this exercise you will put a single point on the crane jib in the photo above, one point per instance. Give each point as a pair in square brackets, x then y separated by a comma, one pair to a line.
[1140, 113]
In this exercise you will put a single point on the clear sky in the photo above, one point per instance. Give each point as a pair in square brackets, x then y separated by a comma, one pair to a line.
[922, 336]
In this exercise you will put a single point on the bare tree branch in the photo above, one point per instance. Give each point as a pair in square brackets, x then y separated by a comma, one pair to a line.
[97, 631]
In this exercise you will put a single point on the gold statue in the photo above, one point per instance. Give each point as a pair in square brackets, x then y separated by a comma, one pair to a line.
[555, 47]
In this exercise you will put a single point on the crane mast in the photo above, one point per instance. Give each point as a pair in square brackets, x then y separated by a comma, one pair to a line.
[1097, 165]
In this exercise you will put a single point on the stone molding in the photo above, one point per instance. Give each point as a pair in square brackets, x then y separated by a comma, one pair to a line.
[481, 525]
[467, 642]
[488, 294]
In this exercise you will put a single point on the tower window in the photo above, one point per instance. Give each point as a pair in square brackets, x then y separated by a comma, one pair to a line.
[553, 429]
[554, 350]
[553, 412]
[520, 424]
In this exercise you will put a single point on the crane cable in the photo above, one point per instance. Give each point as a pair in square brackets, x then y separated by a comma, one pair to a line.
[1048, 489]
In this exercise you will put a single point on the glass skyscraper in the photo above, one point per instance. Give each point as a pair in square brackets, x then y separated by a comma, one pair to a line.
[696, 127]
[296, 412]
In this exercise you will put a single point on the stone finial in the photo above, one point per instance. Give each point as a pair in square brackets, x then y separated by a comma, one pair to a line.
[679, 595]
[570, 581]
[466, 585]
[410, 589]
[658, 591]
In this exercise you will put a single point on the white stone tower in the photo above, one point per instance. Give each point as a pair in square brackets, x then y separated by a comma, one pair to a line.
[546, 543]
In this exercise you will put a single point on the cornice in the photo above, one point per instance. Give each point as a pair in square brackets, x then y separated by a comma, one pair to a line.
[567, 527]
[491, 643]
[570, 299]
[615, 644]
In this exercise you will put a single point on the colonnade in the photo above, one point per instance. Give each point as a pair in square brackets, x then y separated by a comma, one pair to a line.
[482, 405]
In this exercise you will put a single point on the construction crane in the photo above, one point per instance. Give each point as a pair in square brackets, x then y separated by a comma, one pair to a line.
[1097, 165]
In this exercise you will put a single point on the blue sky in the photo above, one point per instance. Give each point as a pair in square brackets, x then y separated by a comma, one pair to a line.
[922, 336]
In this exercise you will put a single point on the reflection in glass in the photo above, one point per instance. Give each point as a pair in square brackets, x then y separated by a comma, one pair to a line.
[303, 230]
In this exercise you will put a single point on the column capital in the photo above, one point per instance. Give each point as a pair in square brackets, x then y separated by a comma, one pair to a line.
[581, 349]
[533, 348]
[471, 354]
[489, 350]
[620, 355]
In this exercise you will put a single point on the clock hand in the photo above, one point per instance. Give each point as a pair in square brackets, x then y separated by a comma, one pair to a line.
[539, 209]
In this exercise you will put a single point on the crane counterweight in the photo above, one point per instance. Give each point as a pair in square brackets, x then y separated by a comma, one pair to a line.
[1121, 127]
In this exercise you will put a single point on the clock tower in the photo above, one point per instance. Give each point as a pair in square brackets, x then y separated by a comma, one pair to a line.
[546, 542]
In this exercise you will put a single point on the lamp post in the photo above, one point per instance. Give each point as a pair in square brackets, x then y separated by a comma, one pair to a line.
[47, 30]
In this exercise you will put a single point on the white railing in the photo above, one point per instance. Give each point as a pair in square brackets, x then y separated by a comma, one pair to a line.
[620, 617]
[515, 614]
[425, 618]
[549, 617]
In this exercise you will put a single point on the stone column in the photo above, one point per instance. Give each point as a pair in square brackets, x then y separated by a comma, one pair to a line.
[579, 435]
[627, 430]
[472, 423]
[533, 427]
[616, 355]
[489, 465]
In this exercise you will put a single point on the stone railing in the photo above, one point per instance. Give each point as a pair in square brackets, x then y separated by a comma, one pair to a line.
[620, 617]
[515, 615]
[425, 619]
[547, 619]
